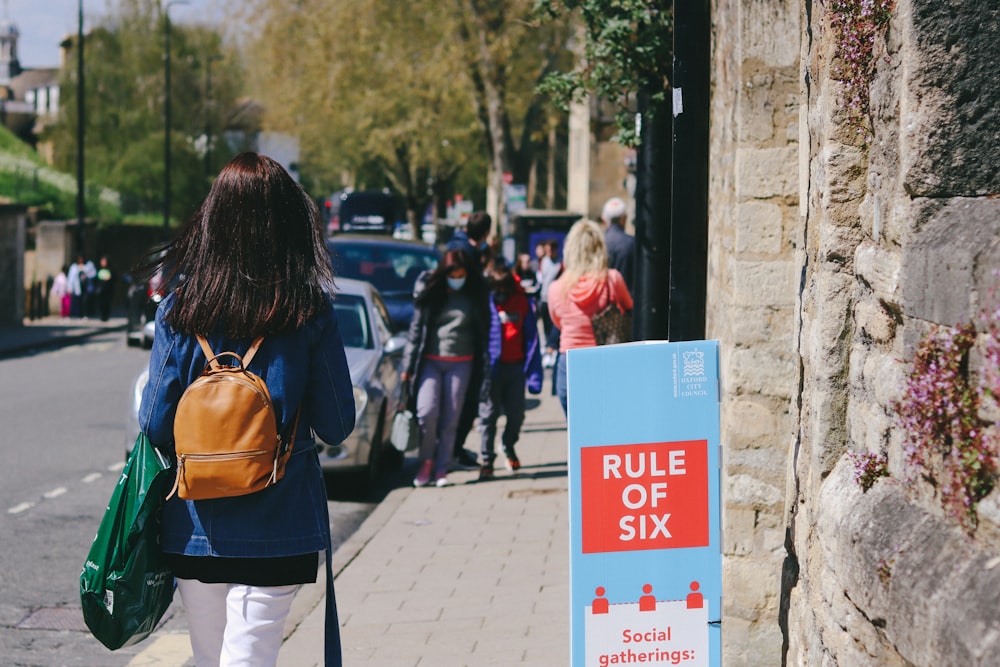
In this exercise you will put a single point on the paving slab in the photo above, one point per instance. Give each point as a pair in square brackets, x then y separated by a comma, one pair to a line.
[462, 576]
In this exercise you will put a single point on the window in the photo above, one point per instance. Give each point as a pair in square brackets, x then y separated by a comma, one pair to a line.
[352, 316]
[391, 270]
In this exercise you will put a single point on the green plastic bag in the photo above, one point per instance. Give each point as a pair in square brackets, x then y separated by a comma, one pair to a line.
[125, 588]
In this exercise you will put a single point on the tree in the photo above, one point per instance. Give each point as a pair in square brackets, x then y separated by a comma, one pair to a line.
[420, 94]
[628, 61]
[627, 51]
[124, 103]
[508, 57]
[376, 98]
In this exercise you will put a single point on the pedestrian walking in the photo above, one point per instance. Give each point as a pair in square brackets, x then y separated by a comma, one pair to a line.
[515, 365]
[474, 241]
[254, 264]
[585, 288]
[78, 278]
[526, 274]
[550, 267]
[621, 246]
[445, 342]
[473, 238]
[60, 291]
[105, 281]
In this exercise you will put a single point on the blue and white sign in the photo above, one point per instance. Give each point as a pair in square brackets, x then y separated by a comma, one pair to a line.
[645, 531]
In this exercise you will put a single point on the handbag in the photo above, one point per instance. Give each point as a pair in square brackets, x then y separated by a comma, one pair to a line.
[611, 324]
[125, 587]
[405, 430]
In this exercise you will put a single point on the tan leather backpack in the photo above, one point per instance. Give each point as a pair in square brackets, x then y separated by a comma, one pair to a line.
[225, 431]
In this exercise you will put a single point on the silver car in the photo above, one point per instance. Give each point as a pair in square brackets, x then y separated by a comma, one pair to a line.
[373, 356]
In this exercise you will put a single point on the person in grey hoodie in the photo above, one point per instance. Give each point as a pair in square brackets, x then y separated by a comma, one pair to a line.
[446, 345]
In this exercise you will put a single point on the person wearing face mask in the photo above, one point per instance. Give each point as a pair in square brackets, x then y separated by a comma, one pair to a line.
[446, 345]
[515, 364]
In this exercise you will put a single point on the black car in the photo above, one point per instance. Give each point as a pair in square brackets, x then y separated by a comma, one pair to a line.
[364, 211]
[391, 265]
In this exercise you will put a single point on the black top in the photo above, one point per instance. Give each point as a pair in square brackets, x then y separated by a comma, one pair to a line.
[281, 571]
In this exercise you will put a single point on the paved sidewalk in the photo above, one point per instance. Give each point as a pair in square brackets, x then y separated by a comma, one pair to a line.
[469, 575]
[52, 332]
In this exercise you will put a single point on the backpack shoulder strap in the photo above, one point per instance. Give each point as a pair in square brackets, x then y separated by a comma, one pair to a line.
[209, 354]
[254, 346]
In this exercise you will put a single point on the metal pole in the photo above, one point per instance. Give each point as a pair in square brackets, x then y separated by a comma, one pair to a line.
[166, 114]
[209, 105]
[81, 202]
[652, 220]
[689, 224]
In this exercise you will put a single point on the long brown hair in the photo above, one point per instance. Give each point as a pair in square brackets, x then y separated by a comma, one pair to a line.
[252, 260]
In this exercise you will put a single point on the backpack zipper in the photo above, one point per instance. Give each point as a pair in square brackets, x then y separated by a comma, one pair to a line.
[232, 456]
[250, 453]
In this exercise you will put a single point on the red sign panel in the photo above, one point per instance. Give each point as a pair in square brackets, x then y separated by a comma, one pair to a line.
[647, 496]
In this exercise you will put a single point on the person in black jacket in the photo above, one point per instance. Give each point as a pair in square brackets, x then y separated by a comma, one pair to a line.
[472, 242]
[621, 246]
[445, 349]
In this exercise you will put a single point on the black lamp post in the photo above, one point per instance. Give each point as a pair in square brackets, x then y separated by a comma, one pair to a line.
[81, 202]
[166, 113]
[209, 107]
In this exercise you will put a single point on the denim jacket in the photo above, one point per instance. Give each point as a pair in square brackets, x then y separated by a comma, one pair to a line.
[306, 367]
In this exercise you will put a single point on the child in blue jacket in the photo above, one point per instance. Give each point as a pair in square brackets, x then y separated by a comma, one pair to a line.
[515, 364]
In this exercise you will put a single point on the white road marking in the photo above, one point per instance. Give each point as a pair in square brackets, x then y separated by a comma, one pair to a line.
[116, 467]
[54, 493]
[92, 477]
[17, 509]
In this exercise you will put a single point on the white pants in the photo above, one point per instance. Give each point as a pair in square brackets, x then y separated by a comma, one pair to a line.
[234, 625]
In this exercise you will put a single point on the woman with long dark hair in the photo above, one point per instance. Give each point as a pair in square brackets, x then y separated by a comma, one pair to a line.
[447, 337]
[251, 263]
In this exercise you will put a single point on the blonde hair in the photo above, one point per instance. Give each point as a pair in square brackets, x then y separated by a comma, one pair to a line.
[584, 253]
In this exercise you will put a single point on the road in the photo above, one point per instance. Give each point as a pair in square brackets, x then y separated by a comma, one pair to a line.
[62, 413]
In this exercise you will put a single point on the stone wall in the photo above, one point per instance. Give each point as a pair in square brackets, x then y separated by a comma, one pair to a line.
[753, 277]
[831, 255]
[901, 235]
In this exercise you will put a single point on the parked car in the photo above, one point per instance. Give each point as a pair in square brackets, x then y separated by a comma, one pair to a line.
[142, 298]
[374, 356]
[391, 265]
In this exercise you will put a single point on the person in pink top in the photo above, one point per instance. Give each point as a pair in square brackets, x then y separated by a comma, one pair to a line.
[584, 289]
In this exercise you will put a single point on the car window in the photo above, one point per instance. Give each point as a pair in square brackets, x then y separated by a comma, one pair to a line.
[391, 270]
[353, 320]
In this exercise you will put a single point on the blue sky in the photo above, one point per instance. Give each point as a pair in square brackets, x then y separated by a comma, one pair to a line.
[44, 23]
